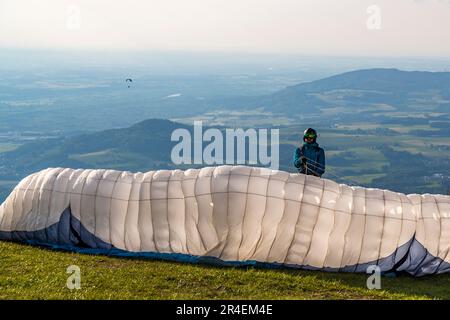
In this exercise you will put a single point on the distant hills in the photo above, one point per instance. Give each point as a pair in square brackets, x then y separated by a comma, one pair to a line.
[393, 89]
[369, 157]
[142, 146]
[380, 127]
[29, 104]
[379, 79]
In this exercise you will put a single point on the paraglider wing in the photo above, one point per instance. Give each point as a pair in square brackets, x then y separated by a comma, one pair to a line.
[235, 214]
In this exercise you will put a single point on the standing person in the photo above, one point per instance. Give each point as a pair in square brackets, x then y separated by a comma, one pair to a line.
[310, 158]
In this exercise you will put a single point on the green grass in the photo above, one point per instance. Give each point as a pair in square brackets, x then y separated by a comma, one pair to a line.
[35, 273]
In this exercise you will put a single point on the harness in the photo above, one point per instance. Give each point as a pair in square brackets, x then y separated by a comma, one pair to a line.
[315, 160]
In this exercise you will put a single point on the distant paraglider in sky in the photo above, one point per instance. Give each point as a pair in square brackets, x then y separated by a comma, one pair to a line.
[128, 81]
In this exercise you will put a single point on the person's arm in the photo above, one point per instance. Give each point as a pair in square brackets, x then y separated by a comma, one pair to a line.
[298, 161]
[320, 169]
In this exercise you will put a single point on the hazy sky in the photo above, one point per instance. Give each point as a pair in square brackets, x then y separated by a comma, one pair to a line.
[326, 27]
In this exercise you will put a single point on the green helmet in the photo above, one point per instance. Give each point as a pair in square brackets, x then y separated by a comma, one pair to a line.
[310, 133]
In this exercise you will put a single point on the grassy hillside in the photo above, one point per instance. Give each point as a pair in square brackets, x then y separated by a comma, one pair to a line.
[35, 273]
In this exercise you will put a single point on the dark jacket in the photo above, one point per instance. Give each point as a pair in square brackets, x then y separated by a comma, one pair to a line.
[314, 159]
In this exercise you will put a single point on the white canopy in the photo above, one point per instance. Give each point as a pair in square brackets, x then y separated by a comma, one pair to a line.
[233, 213]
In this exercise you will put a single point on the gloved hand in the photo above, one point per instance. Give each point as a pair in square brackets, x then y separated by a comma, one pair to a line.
[303, 158]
